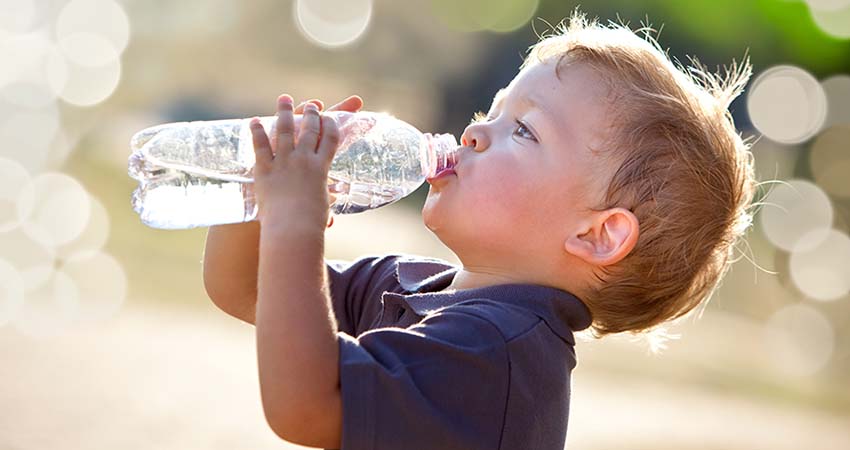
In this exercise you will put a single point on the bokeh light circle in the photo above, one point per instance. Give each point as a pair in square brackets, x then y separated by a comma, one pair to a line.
[836, 22]
[27, 136]
[793, 209]
[50, 309]
[829, 160]
[787, 104]
[13, 178]
[774, 161]
[827, 5]
[94, 236]
[88, 49]
[333, 23]
[822, 271]
[82, 85]
[54, 208]
[799, 340]
[837, 89]
[11, 292]
[24, 83]
[101, 282]
[33, 260]
[505, 15]
[493, 15]
[17, 15]
[105, 18]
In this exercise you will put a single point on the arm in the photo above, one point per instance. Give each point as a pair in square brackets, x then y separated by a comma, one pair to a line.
[230, 268]
[297, 350]
[232, 251]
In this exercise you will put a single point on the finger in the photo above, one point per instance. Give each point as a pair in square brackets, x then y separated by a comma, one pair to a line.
[308, 137]
[330, 139]
[300, 108]
[353, 103]
[262, 148]
[284, 128]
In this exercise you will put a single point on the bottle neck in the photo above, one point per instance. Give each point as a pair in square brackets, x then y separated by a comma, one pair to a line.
[439, 151]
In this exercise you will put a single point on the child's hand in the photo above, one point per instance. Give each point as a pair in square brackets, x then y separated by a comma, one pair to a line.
[290, 181]
[352, 103]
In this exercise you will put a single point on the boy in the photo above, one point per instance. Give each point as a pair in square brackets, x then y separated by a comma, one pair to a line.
[605, 188]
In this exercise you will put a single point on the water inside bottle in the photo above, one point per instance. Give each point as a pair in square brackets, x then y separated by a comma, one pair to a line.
[194, 176]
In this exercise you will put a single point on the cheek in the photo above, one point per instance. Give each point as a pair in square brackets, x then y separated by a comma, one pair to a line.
[501, 197]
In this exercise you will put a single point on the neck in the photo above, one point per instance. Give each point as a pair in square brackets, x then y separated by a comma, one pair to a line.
[471, 278]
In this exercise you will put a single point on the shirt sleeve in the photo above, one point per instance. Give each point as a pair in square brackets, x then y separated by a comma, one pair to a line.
[356, 288]
[439, 384]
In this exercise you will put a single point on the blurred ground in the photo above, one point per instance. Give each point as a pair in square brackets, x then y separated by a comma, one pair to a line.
[185, 378]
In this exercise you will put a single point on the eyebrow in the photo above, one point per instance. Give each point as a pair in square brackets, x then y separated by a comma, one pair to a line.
[500, 96]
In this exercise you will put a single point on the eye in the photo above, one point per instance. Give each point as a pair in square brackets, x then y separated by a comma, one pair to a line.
[524, 132]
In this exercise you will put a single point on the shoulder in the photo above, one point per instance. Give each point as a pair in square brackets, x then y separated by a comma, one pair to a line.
[390, 263]
[510, 320]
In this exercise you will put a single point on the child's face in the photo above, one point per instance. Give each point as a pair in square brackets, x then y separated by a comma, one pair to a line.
[525, 176]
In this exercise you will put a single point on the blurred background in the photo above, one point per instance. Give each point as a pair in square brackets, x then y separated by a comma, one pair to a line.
[108, 340]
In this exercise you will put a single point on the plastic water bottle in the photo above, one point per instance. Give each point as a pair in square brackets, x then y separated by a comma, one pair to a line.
[194, 174]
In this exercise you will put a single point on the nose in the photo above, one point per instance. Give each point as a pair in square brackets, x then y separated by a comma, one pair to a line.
[475, 136]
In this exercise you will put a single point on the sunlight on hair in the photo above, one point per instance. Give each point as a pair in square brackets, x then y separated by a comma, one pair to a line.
[787, 104]
[332, 23]
[798, 340]
[837, 89]
[834, 21]
[13, 178]
[54, 208]
[822, 271]
[829, 160]
[11, 292]
[793, 209]
[101, 283]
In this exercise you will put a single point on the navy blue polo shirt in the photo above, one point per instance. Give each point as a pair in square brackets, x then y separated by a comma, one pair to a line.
[483, 368]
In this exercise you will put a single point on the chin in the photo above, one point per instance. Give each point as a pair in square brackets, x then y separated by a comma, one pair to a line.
[430, 217]
[432, 209]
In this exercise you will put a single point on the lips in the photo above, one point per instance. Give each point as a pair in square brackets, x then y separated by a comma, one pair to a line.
[451, 162]
[442, 174]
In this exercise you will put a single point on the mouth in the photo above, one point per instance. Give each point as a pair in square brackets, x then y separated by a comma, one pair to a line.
[445, 165]
[448, 171]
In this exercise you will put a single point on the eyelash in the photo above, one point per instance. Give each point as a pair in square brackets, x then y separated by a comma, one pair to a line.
[479, 117]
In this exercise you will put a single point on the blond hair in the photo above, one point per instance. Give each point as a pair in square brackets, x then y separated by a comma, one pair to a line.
[682, 169]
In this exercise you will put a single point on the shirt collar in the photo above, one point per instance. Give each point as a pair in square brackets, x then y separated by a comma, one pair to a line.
[424, 277]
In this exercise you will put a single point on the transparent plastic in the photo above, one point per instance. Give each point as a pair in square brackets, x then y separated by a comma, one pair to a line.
[194, 174]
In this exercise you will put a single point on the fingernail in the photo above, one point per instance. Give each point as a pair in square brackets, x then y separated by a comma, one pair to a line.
[284, 100]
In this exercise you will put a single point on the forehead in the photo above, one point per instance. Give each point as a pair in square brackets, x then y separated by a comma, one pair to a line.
[573, 98]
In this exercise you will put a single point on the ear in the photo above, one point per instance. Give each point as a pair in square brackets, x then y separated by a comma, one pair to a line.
[606, 238]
